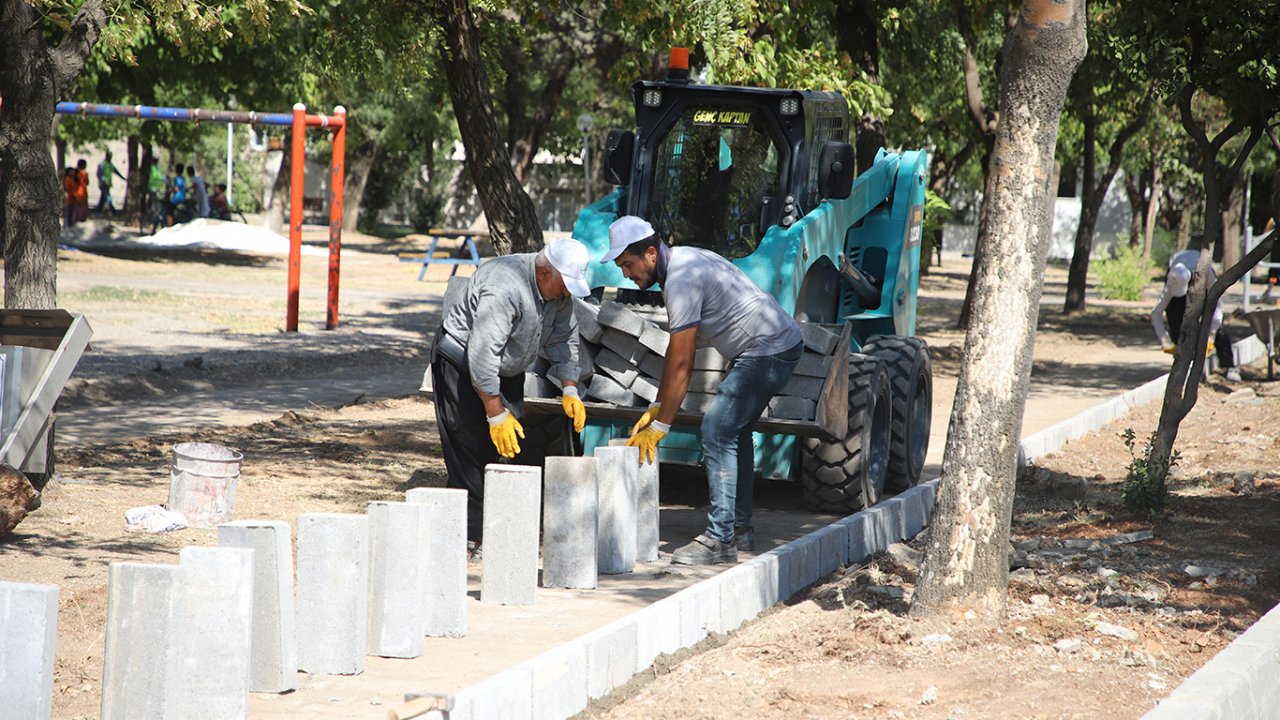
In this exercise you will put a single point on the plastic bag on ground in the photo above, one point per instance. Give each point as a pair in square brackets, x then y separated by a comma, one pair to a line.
[153, 518]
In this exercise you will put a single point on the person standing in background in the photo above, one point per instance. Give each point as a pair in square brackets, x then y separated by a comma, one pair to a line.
[106, 169]
[69, 183]
[82, 190]
[199, 193]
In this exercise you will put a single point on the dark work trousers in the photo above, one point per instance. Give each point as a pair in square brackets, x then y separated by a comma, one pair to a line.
[464, 431]
[1173, 313]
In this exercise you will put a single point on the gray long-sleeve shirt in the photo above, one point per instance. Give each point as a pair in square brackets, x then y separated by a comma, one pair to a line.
[503, 322]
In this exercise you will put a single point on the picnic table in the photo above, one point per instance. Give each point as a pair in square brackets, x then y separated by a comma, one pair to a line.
[464, 253]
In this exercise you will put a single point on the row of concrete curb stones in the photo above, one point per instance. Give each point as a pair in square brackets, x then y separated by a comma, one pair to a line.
[559, 683]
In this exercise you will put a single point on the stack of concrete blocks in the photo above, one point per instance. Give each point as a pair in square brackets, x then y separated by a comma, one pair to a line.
[274, 649]
[648, 514]
[617, 477]
[28, 637]
[398, 534]
[165, 623]
[622, 354]
[445, 557]
[559, 683]
[333, 593]
[512, 503]
[571, 504]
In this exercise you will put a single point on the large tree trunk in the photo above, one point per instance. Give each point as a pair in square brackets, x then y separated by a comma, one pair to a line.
[857, 24]
[513, 220]
[526, 126]
[1232, 215]
[134, 184]
[277, 199]
[966, 564]
[1134, 190]
[32, 78]
[1153, 212]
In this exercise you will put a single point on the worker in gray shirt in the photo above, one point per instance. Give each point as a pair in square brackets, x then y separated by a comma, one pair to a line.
[709, 298]
[515, 308]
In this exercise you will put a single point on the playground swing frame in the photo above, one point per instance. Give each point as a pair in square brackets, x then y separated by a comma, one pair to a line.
[299, 121]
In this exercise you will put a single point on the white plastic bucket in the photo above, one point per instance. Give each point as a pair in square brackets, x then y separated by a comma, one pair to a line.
[202, 483]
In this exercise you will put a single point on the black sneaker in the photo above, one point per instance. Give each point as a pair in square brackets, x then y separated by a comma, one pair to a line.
[705, 550]
[745, 538]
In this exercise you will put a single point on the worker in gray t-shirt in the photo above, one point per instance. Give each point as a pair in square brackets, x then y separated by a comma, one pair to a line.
[709, 298]
[515, 308]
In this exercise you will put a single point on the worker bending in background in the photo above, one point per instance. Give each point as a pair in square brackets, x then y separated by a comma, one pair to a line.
[514, 307]
[1172, 306]
[709, 298]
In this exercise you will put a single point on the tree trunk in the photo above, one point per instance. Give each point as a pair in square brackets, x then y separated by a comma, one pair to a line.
[1091, 203]
[274, 217]
[359, 163]
[1184, 229]
[1183, 386]
[32, 78]
[513, 220]
[1133, 190]
[1153, 212]
[133, 186]
[966, 565]
[857, 23]
[1232, 215]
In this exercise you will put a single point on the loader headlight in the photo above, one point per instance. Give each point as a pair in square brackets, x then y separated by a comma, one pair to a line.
[790, 106]
[652, 98]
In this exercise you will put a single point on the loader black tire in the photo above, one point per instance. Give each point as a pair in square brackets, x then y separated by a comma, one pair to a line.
[911, 377]
[844, 477]
[547, 435]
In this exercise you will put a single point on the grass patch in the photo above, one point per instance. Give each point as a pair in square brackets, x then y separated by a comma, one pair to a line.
[116, 294]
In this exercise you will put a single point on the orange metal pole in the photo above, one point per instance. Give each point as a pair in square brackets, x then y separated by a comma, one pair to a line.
[337, 176]
[296, 168]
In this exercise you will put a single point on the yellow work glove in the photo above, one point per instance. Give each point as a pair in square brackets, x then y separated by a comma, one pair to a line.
[1208, 350]
[646, 418]
[1168, 348]
[503, 430]
[647, 440]
[574, 408]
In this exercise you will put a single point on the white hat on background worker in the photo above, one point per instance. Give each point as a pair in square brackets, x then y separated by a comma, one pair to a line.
[624, 232]
[1178, 281]
[569, 257]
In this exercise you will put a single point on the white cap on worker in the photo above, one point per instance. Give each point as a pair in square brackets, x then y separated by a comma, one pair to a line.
[623, 232]
[570, 257]
[1178, 280]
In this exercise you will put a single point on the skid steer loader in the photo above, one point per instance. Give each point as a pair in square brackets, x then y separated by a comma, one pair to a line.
[765, 177]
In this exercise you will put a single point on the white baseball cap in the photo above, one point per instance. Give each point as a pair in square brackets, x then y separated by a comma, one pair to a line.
[1178, 281]
[625, 231]
[569, 257]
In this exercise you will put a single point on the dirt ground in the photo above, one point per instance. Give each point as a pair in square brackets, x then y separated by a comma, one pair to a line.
[188, 346]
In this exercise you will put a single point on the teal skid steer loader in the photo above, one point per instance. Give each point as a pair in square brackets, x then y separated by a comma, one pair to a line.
[765, 177]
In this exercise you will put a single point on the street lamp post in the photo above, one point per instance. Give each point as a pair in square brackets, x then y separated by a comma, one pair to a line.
[585, 122]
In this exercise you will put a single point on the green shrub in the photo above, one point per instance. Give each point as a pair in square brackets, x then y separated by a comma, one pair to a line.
[1124, 276]
[1144, 482]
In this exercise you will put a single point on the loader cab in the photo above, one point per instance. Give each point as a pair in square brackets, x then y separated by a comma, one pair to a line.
[717, 166]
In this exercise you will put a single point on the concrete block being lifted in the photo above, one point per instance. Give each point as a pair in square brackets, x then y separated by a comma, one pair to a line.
[512, 502]
[28, 637]
[274, 651]
[648, 523]
[333, 593]
[445, 600]
[617, 316]
[613, 365]
[398, 535]
[617, 476]
[144, 611]
[569, 523]
[587, 316]
[216, 623]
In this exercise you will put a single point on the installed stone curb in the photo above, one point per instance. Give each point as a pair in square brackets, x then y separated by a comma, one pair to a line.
[559, 683]
[1238, 682]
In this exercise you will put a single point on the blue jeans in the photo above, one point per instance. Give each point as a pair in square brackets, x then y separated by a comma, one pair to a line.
[727, 448]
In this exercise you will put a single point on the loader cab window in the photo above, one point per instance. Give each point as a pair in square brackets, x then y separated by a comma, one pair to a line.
[713, 172]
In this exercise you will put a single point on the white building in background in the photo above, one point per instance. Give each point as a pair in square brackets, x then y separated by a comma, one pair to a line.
[1111, 231]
